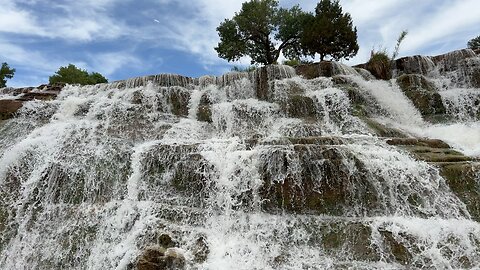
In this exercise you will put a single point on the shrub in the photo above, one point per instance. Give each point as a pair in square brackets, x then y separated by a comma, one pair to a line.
[474, 43]
[379, 65]
[243, 69]
[73, 75]
[5, 73]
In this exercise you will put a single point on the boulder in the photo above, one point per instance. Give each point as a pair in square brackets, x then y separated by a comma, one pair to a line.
[200, 250]
[159, 258]
[299, 106]
[38, 95]
[204, 113]
[422, 93]
[417, 64]
[9, 107]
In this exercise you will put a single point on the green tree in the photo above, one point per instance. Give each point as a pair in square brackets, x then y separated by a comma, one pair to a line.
[73, 75]
[474, 43]
[330, 32]
[5, 73]
[96, 77]
[262, 31]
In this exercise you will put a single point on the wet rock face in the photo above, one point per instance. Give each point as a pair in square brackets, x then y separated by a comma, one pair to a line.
[461, 173]
[311, 71]
[464, 180]
[323, 184]
[8, 107]
[264, 77]
[467, 72]
[300, 106]
[417, 64]
[462, 67]
[324, 69]
[422, 93]
[451, 61]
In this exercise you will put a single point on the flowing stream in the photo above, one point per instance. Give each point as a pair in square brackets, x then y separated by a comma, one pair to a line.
[292, 181]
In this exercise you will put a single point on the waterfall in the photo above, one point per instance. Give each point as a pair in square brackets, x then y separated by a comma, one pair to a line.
[259, 170]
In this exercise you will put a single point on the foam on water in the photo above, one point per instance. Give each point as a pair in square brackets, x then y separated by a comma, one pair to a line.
[462, 105]
[98, 174]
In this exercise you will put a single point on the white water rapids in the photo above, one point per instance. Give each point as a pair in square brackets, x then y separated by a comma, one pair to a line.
[89, 180]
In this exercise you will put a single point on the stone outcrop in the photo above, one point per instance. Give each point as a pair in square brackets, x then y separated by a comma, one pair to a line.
[324, 69]
[160, 258]
[462, 67]
[8, 107]
[418, 64]
[463, 178]
[422, 93]
[462, 173]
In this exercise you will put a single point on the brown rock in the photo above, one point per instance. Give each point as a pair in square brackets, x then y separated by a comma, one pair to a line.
[159, 258]
[8, 108]
[324, 69]
[433, 143]
[416, 64]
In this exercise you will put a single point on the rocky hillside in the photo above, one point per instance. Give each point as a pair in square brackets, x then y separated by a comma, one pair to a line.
[317, 166]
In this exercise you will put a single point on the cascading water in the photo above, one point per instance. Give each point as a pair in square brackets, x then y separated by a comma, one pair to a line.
[296, 180]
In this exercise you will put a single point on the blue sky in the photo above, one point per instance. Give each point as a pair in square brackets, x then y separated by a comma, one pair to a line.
[128, 38]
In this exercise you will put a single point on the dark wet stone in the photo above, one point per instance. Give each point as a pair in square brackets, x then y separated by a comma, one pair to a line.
[422, 93]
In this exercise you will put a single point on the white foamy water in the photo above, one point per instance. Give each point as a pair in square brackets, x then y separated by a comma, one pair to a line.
[90, 180]
[463, 134]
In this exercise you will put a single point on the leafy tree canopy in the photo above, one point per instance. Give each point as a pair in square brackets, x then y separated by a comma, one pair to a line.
[330, 32]
[474, 43]
[5, 73]
[73, 75]
[262, 31]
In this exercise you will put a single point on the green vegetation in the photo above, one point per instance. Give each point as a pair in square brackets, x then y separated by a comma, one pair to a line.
[330, 32]
[243, 69]
[262, 31]
[474, 43]
[73, 75]
[380, 64]
[256, 31]
[400, 39]
[5, 73]
[295, 62]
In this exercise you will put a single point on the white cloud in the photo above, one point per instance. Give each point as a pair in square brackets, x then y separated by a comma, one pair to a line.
[15, 20]
[193, 34]
[68, 20]
[109, 63]
[190, 27]
[31, 59]
[452, 18]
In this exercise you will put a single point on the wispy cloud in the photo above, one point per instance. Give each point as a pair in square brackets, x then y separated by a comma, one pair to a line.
[108, 63]
[68, 20]
[112, 36]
